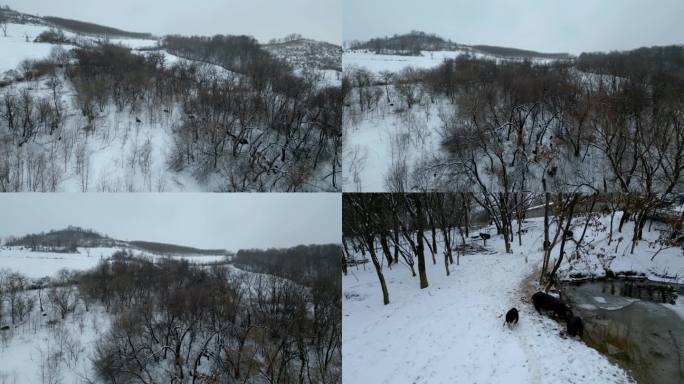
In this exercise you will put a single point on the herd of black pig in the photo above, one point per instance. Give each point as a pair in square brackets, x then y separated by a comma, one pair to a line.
[547, 302]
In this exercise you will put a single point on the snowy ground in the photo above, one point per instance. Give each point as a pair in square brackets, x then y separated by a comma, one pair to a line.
[452, 331]
[394, 63]
[41, 264]
[14, 49]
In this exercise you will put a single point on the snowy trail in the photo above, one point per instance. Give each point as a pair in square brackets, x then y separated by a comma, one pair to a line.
[453, 332]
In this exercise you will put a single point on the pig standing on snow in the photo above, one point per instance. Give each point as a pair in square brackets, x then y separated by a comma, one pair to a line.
[547, 302]
[511, 317]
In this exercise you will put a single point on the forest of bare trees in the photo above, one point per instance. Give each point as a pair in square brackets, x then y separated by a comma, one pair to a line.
[601, 122]
[173, 321]
[257, 128]
[387, 229]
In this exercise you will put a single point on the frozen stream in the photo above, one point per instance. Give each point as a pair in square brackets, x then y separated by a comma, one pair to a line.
[639, 324]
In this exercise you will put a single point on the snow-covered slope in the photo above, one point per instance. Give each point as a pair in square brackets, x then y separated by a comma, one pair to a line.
[14, 48]
[652, 258]
[307, 53]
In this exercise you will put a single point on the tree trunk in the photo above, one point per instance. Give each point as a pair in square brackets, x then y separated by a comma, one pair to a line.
[571, 210]
[378, 268]
[385, 249]
[420, 224]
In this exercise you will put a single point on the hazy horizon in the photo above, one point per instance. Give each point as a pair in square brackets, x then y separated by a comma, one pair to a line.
[262, 19]
[209, 221]
[552, 27]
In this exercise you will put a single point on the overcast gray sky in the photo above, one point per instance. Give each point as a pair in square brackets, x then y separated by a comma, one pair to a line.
[569, 26]
[263, 19]
[228, 221]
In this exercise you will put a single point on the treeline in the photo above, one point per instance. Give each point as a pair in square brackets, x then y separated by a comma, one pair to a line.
[306, 264]
[163, 248]
[237, 53]
[547, 121]
[415, 42]
[409, 228]
[65, 240]
[521, 53]
[93, 29]
[667, 62]
[408, 44]
[174, 322]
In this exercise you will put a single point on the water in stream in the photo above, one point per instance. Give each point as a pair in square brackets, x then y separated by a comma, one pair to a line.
[639, 324]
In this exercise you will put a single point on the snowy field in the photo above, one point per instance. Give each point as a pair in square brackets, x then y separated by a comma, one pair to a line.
[41, 264]
[453, 332]
[14, 49]
[394, 63]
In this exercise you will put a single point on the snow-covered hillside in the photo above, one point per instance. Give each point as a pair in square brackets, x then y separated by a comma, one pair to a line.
[16, 49]
[307, 53]
[116, 149]
[394, 63]
[386, 141]
[652, 258]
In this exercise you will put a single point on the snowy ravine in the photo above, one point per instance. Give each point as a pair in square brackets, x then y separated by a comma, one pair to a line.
[453, 332]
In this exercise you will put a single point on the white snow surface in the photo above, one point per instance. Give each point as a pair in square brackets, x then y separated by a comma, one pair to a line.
[453, 331]
[394, 63]
[14, 49]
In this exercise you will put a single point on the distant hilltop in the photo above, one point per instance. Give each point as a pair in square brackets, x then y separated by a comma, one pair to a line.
[81, 27]
[71, 238]
[413, 43]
